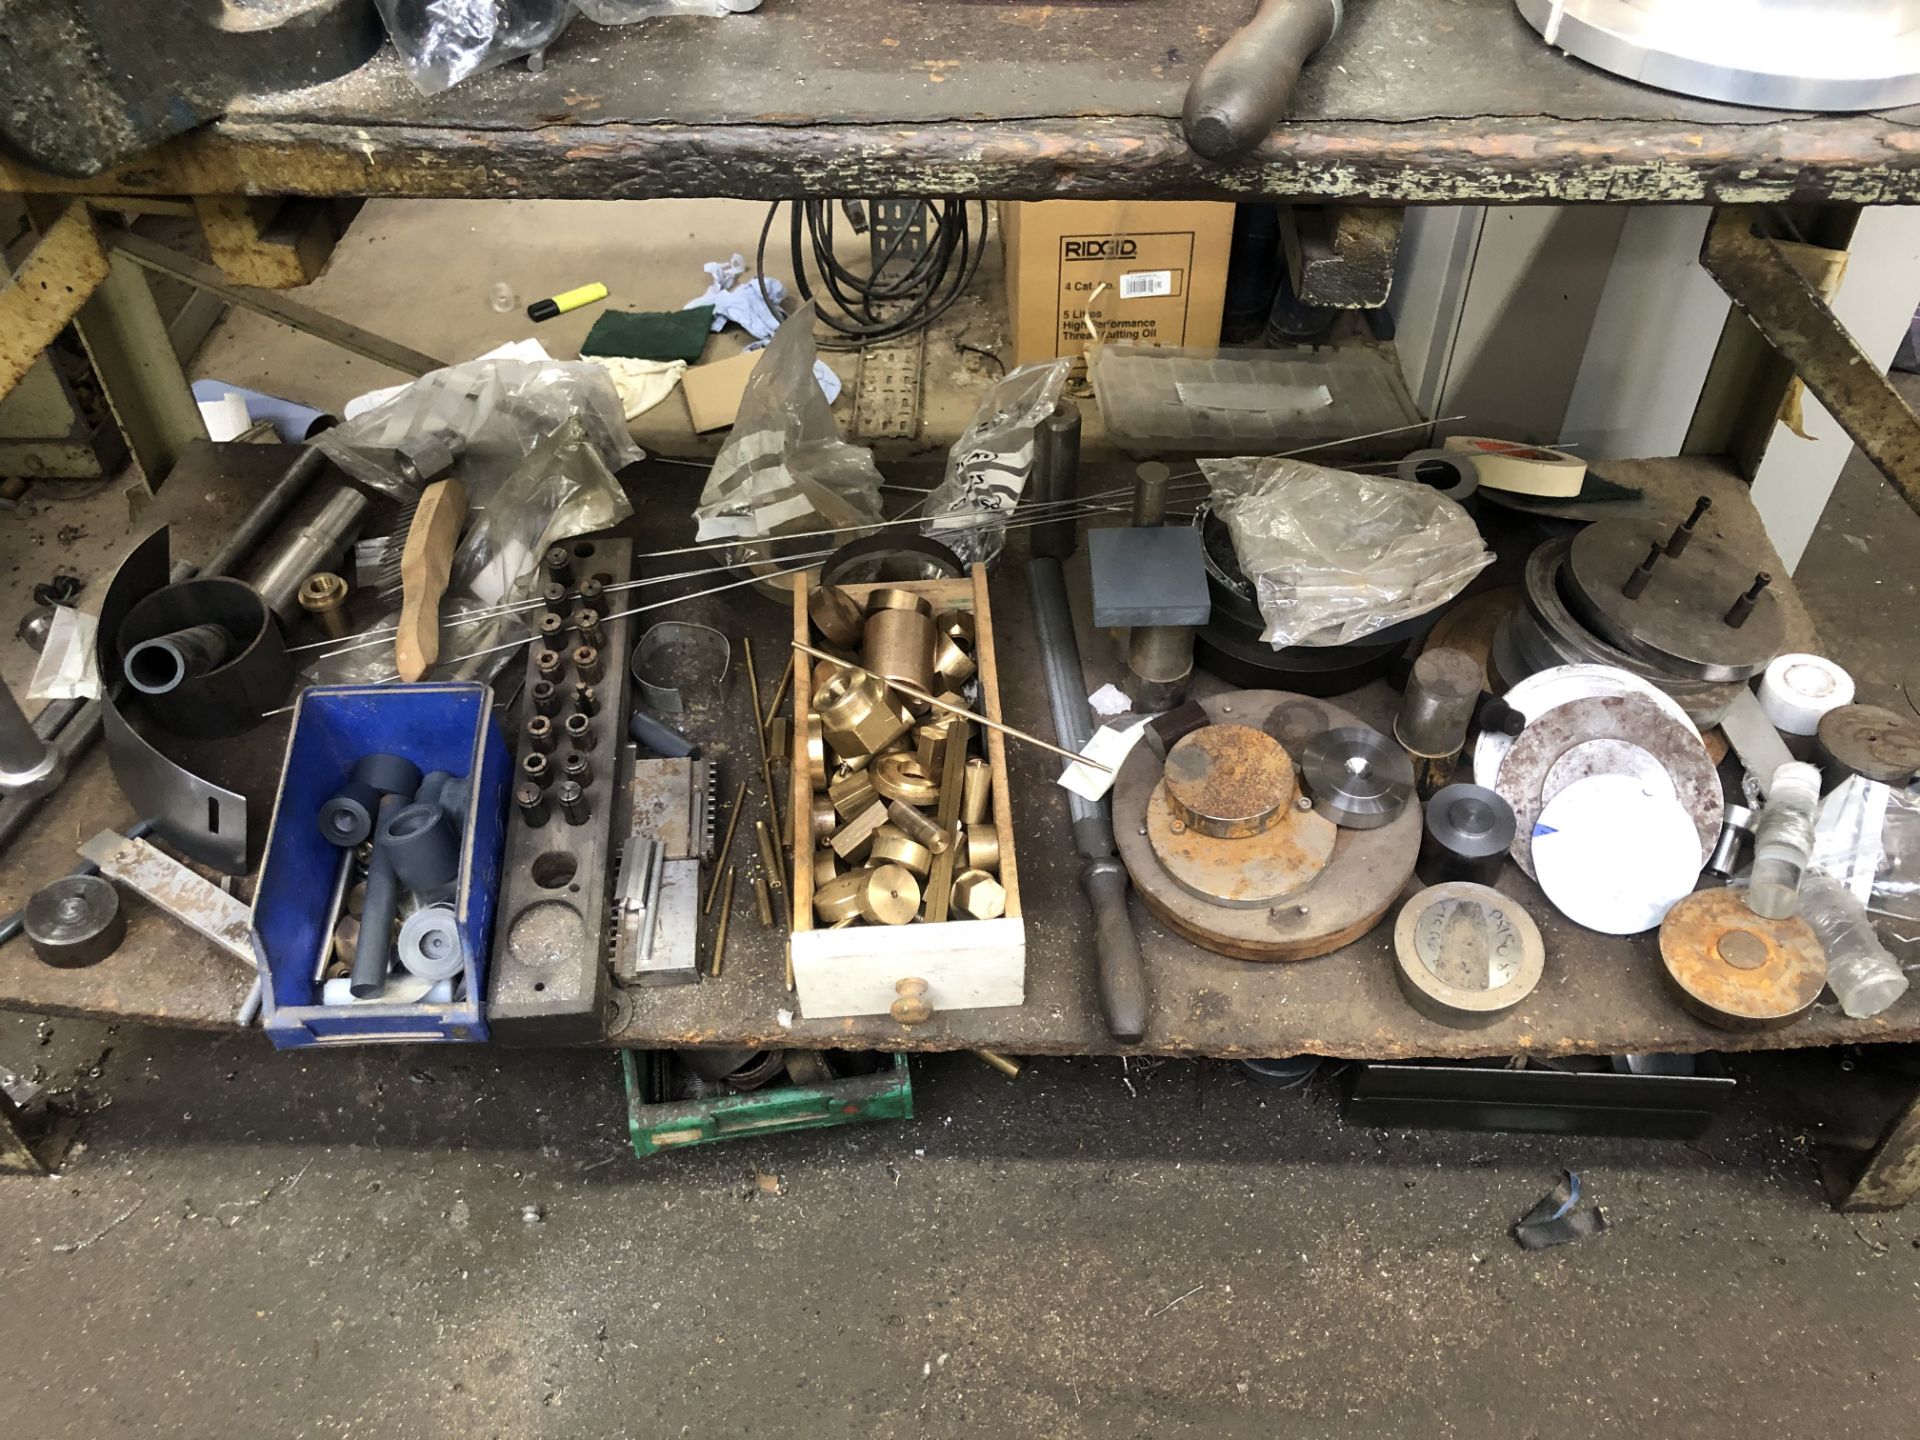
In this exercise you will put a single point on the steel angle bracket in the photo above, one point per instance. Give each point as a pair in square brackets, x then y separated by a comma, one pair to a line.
[1802, 327]
[201, 820]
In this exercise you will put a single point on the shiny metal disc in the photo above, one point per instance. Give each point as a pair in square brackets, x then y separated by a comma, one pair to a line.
[1357, 777]
[1465, 954]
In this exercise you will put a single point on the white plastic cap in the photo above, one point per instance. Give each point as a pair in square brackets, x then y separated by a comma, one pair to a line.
[1798, 689]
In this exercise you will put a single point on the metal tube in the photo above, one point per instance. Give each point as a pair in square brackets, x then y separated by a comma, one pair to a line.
[1056, 477]
[266, 512]
[314, 546]
[27, 763]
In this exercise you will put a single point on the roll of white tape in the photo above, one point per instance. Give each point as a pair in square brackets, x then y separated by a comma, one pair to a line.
[1521, 469]
[1797, 689]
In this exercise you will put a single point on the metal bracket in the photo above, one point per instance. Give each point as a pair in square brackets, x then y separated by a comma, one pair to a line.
[190, 898]
[1802, 327]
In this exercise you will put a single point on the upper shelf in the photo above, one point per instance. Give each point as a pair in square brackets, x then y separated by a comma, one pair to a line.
[1415, 101]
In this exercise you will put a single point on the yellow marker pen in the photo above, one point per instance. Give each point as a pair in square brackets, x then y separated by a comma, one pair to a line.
[566, 300]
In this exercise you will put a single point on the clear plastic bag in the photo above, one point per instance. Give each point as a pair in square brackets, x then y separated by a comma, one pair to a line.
[1335, 556]
[784, 467]
[441, 42]
[485, 416]
[625, 12]
[987, 470]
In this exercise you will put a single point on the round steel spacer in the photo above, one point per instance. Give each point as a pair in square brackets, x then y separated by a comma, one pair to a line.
[1868, 741]
[75, 921]
[1465, 954]
[1468, 830]
[1736, 971]
[1358, 778]
[1229, 781]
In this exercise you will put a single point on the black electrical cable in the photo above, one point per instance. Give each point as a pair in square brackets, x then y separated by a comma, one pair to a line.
[867, 309]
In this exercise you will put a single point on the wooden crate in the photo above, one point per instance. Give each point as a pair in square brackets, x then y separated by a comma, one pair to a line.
[967, 964]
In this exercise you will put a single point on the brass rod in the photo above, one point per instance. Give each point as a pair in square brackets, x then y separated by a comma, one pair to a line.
[1009, 1068]
[720, 933]
[779, 693]
[726, 849]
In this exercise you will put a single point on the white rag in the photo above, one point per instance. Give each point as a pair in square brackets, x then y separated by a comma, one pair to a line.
[642, 384]
[743, 305]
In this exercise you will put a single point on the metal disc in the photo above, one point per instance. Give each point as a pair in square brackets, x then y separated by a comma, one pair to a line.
[1607, 756]
[1465, 954]
[1868, 741]
[1247, 872]
[1228, 781]
[1363, 876]
[1546, 689]
[75, 921]
[1673, 744]
[1678, 622]
[1358, 778]
[1735, 970]
[1614, 856]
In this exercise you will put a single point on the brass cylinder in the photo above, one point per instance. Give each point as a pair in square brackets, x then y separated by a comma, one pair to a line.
[919, 827]
[839, 898]
[899, 777]
[890, 598]
[836, 615]
[890, 896]
[823, 671]
[957, 626]
[892, 846]
[850, 794]
[323, 595]
[983, 847]
[952, 666]
[763, 897]
[826, 865]
[899, 645]
[816, 753]
[823, 818]
[976, 792]
[851, 840]
[978, 895]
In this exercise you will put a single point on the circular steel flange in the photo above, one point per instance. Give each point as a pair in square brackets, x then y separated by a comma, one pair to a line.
[1358, 778]
[1873, 743]
[1672, 743]
[1465, 954]
[1363, 875]
[1736, 971]
[1546, 689]
[75, 921]
[1678, 622]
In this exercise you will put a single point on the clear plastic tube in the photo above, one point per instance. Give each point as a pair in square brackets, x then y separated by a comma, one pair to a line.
[1783, 841]
[1864, 978]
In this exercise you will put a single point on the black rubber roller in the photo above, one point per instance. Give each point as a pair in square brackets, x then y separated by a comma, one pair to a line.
[423, 846]
[347, 819]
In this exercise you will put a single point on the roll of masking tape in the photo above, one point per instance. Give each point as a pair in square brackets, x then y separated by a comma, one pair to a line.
[1797, 689]
[1521, 469]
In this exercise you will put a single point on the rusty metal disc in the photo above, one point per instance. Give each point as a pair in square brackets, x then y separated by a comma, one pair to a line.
[1868, 741]
[1736, 971]
[1242, 871]
[1363, 874]
[1643, 722]
[1465, 954]
[1545, 689]
[1228, 781]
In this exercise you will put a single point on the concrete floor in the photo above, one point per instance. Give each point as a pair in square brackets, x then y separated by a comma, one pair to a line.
[253, 1244]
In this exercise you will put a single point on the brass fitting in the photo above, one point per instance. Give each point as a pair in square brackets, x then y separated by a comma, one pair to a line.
[851, 794]
[930, 743]
[952, 666]
[836, 615]
[857, 716]
[899, 777]
[978, 895]
[983, 847]
[899, 645]
[919, 828]
[826, 865]
[890, 896]
[822, 818]
[891, 846]
[976, 792]
[892, 598]
[839, 898]
[324, 596]
[957, 626]
[816, 753]
[851, 840]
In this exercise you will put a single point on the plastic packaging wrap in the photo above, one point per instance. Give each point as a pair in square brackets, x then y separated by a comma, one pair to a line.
[1335, 556]
[625, 12]
[785, 468]
[1863, 976]
[441, 42]
[987, 469]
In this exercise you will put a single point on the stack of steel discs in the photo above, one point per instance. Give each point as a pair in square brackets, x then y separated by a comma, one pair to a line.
[1672, 607]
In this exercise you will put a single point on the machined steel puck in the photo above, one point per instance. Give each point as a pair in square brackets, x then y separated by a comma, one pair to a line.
[1468, 831]
[75, 921]
[1357, 777]
[1870, 742]
[1465, 954]
[1736, 971]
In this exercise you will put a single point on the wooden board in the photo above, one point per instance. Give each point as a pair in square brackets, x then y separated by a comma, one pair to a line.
[1417, 101]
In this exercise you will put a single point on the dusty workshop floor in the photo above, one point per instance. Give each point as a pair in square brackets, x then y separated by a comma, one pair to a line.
[251, 1244]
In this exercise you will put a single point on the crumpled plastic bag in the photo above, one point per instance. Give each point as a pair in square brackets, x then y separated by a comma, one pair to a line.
[441, 42]
[1335, 556]
[784, 468]
[988, 468]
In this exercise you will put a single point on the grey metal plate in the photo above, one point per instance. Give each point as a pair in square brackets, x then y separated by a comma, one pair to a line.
[1149, 576]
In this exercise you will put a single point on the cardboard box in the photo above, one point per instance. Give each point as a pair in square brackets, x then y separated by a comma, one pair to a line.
[1150, 271]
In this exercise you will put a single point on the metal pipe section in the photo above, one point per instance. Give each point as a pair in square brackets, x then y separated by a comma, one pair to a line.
[1056, 477]
[315, 546]
[29, 766]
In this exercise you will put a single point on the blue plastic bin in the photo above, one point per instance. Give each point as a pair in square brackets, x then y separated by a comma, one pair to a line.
[437, 727]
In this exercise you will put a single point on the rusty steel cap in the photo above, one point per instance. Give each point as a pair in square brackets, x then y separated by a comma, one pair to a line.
[1229, 781]
[1735, 970]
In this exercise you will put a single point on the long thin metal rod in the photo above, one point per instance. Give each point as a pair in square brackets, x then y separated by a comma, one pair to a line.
[760, 742]
[726, 845]
[918, 694]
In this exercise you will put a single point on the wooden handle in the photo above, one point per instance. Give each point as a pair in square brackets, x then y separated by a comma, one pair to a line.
[425, 566]
[1243, 91]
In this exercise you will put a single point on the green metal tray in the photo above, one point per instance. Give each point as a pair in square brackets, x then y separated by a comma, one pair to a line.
[885, 1095]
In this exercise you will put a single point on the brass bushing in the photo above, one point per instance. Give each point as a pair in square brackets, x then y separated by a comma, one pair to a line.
[779, 740]
[976, 792]
[816, 753]
[919, 827]
[889, 598]
[826, 865]
[586, 663]
[850, 794]
[983, 847]
[957, 626]
[836, 615]
[823, 671]
[899, 777]
[892, 846]
[822, 818]
[890, 896]
[978, 895]
[899, 645]
[851, 841]
[324, 596]
[857, 716]
[952, 666]
[839, 898]
[930, 743]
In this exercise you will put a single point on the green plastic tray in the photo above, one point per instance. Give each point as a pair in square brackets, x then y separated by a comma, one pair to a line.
[884, 1095]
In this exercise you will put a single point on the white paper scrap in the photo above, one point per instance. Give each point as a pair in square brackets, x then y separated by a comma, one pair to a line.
[1109, 746]
[1109, 701]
